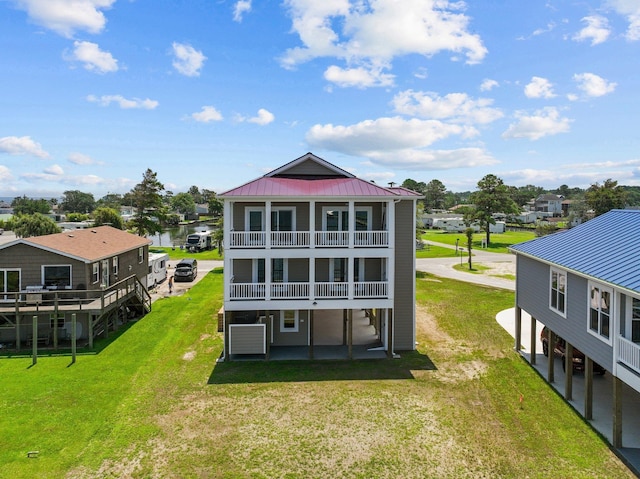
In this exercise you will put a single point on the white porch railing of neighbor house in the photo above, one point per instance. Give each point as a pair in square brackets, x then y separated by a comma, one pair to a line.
[290, 290]
[629, 353]
[331, 290]
[248, 239]
[371, 238]
[289, 238]
[370, 289]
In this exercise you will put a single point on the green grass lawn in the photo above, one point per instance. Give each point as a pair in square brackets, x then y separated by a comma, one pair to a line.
[499, 242]
[153, 403]
[177, 253]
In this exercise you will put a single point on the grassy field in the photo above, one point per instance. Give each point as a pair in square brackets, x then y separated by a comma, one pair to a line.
[177, 253]
[154, 403]
[499, 242]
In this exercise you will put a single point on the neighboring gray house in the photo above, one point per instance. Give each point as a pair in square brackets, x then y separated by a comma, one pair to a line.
[583, 284]
[318, 263]
[95, 274]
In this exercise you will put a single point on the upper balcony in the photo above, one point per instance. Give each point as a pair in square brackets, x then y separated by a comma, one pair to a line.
[307, 239]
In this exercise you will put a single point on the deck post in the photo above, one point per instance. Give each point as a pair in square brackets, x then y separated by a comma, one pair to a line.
[311, 333]
[350, 332]
[90, 331]
[344, 327]
[617, 412]
[268, 338]
[389, 316]
[551, 342]
[518, 329]
[533, 340]
[55, 321]
[568, 372]
[18, 332]
[226, 320]
[34, 341]
[588, 388]
[73, 338]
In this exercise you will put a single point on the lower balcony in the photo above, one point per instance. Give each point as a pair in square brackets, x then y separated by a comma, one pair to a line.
[320, 290]
[629, 354]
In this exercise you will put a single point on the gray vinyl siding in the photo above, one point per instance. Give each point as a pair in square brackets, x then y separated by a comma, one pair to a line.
[372, 269]
[404, 294]
[310, 168]
[300, 338]
[533, 286]
[242, 271]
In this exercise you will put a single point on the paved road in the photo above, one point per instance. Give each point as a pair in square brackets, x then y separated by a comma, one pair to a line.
[498, 262]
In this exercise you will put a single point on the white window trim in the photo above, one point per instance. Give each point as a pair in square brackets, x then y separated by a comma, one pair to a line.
[96, 273]
[296, 319]
[628, 320]
[140, 254]
[3, 293]
[44, 266]
[285, 208]
[254, 269]
[285, 269]
[342, 209]
[369, 211]
[596, 334]
[250, 209]
[551, 291]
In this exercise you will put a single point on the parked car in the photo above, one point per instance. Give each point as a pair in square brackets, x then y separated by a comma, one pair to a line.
[559, 350]
[186, 270]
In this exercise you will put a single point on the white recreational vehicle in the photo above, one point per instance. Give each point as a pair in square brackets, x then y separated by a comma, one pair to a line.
[457, 225]
[157, 269]
[198, 241]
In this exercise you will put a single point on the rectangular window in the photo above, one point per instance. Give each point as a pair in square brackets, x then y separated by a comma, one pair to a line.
[254, 220]
[115, 265]
[289, 321]
[140, 254]
[600, 311]
[282, 220]
[258, 271]
[635, 320]
[278, 270]
[362, 220]
[95, 276]
[9, 283]
[339, 267]
[558, 291]
[56, 276]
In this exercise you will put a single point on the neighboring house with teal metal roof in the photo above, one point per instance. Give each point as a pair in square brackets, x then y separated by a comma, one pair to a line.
[584, 286]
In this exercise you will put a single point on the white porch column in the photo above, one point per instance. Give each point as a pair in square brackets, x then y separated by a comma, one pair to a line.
[312, 277]
[267, 224]
[350, 276]
[312, 224]
[227, 262]
[352, 222]
[267, 278]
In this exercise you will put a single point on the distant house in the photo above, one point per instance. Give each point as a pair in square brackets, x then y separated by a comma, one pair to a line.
[96, 274]
[318, 263]
[549, 203]
[583, 284]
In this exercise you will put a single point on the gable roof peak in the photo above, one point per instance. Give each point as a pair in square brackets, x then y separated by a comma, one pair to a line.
[332, 169]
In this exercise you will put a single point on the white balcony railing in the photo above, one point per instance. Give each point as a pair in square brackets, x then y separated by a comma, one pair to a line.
[629, 354]
[289, 238]
[332, 238]
[248, 239]
[301, 239]
[290, 291]
[370, 289]
[247, 291]
[371, 238]
[321, 290]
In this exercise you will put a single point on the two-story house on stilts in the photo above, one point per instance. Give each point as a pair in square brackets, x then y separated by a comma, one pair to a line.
[318, 263]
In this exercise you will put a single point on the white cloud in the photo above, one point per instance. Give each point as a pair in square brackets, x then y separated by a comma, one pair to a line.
[539, 87]
[23, 145]
[124, 103]
[360, 77]
[542, 123]
[188, 61]
[593, 85]
[367, 36]
[80, 159]
[5, 174]
[54, 170]
[457, 107]
[488, 84]
[240, 8]
[207, 114]
[65, 17]
[264, 117]
[631, 10]
[399, 143]
[597, 30]
[93, 58]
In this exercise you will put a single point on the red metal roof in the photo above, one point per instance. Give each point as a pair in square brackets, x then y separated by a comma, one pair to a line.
[268, 186]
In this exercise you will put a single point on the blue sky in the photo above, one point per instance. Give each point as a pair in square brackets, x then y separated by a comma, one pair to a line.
[214, 93]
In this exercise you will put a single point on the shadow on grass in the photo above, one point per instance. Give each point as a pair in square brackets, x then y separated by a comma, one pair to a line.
[239, 372]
